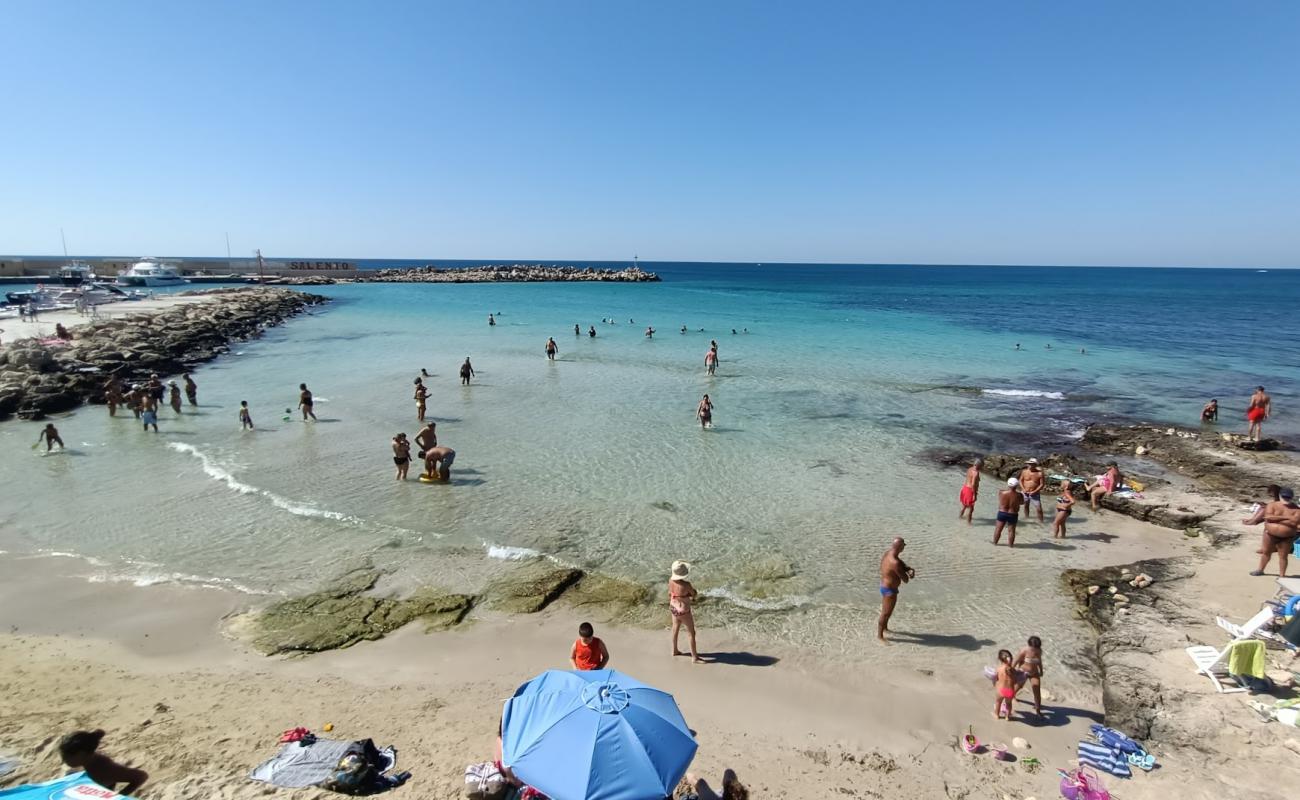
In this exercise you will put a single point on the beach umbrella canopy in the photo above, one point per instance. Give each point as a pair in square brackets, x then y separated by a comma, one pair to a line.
[595, 735]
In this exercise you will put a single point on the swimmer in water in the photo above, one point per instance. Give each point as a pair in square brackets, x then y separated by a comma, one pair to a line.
[174, 396]
[704, 411]
[576, 330]
[466, 372]
[305, 402]
[245, 418]
[50, 435]
[401, 455]
[649, 333]
[733, 331]
[683, 329]
[491, 320]
[592, 331]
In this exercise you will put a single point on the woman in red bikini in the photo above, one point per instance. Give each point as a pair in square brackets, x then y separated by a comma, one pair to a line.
[681, 594]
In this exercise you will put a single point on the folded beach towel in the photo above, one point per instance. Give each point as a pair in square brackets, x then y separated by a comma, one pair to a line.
[1247, 658]
[1109, 737]
[1104, 758]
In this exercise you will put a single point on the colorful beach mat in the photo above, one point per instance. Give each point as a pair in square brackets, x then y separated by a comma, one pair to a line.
[70, 787]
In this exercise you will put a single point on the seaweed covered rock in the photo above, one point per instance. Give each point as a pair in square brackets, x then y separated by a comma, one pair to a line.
[531, 589]
[342, 614]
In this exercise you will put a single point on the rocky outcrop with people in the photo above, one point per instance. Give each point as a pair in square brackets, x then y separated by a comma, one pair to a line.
[44, 376]
[520, 273]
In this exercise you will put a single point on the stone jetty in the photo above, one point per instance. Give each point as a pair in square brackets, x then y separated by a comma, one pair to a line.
[511, 273]
[43, 376]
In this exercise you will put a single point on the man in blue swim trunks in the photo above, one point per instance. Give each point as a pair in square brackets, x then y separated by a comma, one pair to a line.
[893, 574]
[1009, 500]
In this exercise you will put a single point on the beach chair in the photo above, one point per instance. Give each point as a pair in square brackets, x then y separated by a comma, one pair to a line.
[1252, 627]
[1213, 664]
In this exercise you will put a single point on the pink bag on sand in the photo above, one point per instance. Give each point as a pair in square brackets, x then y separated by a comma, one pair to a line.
[1083, 784]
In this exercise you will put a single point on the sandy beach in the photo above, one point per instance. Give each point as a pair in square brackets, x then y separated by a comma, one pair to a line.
[198, 710]
[15, 328]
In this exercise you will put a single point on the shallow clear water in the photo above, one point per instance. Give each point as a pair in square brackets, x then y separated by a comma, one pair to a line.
[845, 375]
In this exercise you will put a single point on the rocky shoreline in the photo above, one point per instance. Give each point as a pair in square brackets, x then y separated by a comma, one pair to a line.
[45, 376]
[494, 273]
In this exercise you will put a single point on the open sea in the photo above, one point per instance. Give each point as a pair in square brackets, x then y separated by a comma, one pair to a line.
[836, 380]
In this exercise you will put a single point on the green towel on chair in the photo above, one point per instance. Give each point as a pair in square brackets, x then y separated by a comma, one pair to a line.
[1247, 658]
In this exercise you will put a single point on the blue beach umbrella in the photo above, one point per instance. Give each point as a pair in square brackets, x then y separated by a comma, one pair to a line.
[595, 735]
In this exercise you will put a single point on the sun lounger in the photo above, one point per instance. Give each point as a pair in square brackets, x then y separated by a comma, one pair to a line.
[1213, 664]
[1253, 627]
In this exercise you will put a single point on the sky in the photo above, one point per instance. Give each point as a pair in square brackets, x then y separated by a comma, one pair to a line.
[990, 132]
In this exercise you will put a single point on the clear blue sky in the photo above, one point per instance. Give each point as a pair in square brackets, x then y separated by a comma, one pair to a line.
[1161, 133]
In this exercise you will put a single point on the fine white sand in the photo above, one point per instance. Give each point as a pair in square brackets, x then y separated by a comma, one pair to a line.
[14, 328]
[199, 711]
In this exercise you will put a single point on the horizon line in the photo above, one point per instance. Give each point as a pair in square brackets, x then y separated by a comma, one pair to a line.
[561, 262]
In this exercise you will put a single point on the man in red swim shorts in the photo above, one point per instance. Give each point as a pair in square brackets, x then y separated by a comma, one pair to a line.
[1260, 408]
[970, 491]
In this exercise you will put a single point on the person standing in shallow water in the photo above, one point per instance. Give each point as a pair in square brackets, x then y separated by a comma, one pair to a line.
[50, 435]
[245, 417]
[466, 372]
[681, 598]
[401, 455]
[149, 411]
[305, 402]
[421, 399]
[1260, 408]
[970, 491]
[704, 412]
[1009, 500]
[894, 572]
[174, 396]
[551, 348]
[577, 331]
[711, 361]
[492, 320]
[191, 389]
[112, 396]
[1211, 412]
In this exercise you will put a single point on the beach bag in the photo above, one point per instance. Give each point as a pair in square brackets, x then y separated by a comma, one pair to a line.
[1083, 784]
[485, 782]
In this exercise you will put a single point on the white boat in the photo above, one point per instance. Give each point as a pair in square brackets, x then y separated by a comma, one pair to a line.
[150, 272]
[76, 273]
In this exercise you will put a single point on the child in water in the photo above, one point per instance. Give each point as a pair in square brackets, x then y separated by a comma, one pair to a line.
[245, 418]
[1005, 685]
[79, 751]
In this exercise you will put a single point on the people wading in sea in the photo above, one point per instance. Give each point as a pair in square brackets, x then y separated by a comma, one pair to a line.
[437, 463]
[577, 331]
[711, 361]
[149, 411]
[591, 331]
[112, 396]
[1260, 409]
[894, 572]
[466, 372]
[681, 599]
[191, 389]
[427, 438]
[245, 416]
[1009, 500]
[421, 399]
[401, 455]
[50, 435]
[551, 348]
[1211, 412]
[174, 396]
[970, 491]
[305, 402]
[704, 412]
[1031, 487]
[492, 320]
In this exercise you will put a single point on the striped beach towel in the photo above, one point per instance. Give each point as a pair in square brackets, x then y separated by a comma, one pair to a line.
[1106, 759]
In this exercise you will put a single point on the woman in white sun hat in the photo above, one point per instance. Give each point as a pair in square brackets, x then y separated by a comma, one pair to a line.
[681, 595]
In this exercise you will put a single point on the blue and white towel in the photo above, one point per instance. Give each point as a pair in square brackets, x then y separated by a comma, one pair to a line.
[1103, 758]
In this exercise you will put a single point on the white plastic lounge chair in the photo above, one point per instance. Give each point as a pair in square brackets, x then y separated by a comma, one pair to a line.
[1252, 627]
[1213, 664]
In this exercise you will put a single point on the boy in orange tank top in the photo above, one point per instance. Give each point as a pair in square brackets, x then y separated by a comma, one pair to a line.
[588, 652]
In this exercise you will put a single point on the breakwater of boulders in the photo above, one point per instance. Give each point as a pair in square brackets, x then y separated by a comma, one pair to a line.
[45, 376]
[505, 273]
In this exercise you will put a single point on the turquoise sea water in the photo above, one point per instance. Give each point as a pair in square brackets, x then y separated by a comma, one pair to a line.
[846, 374]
